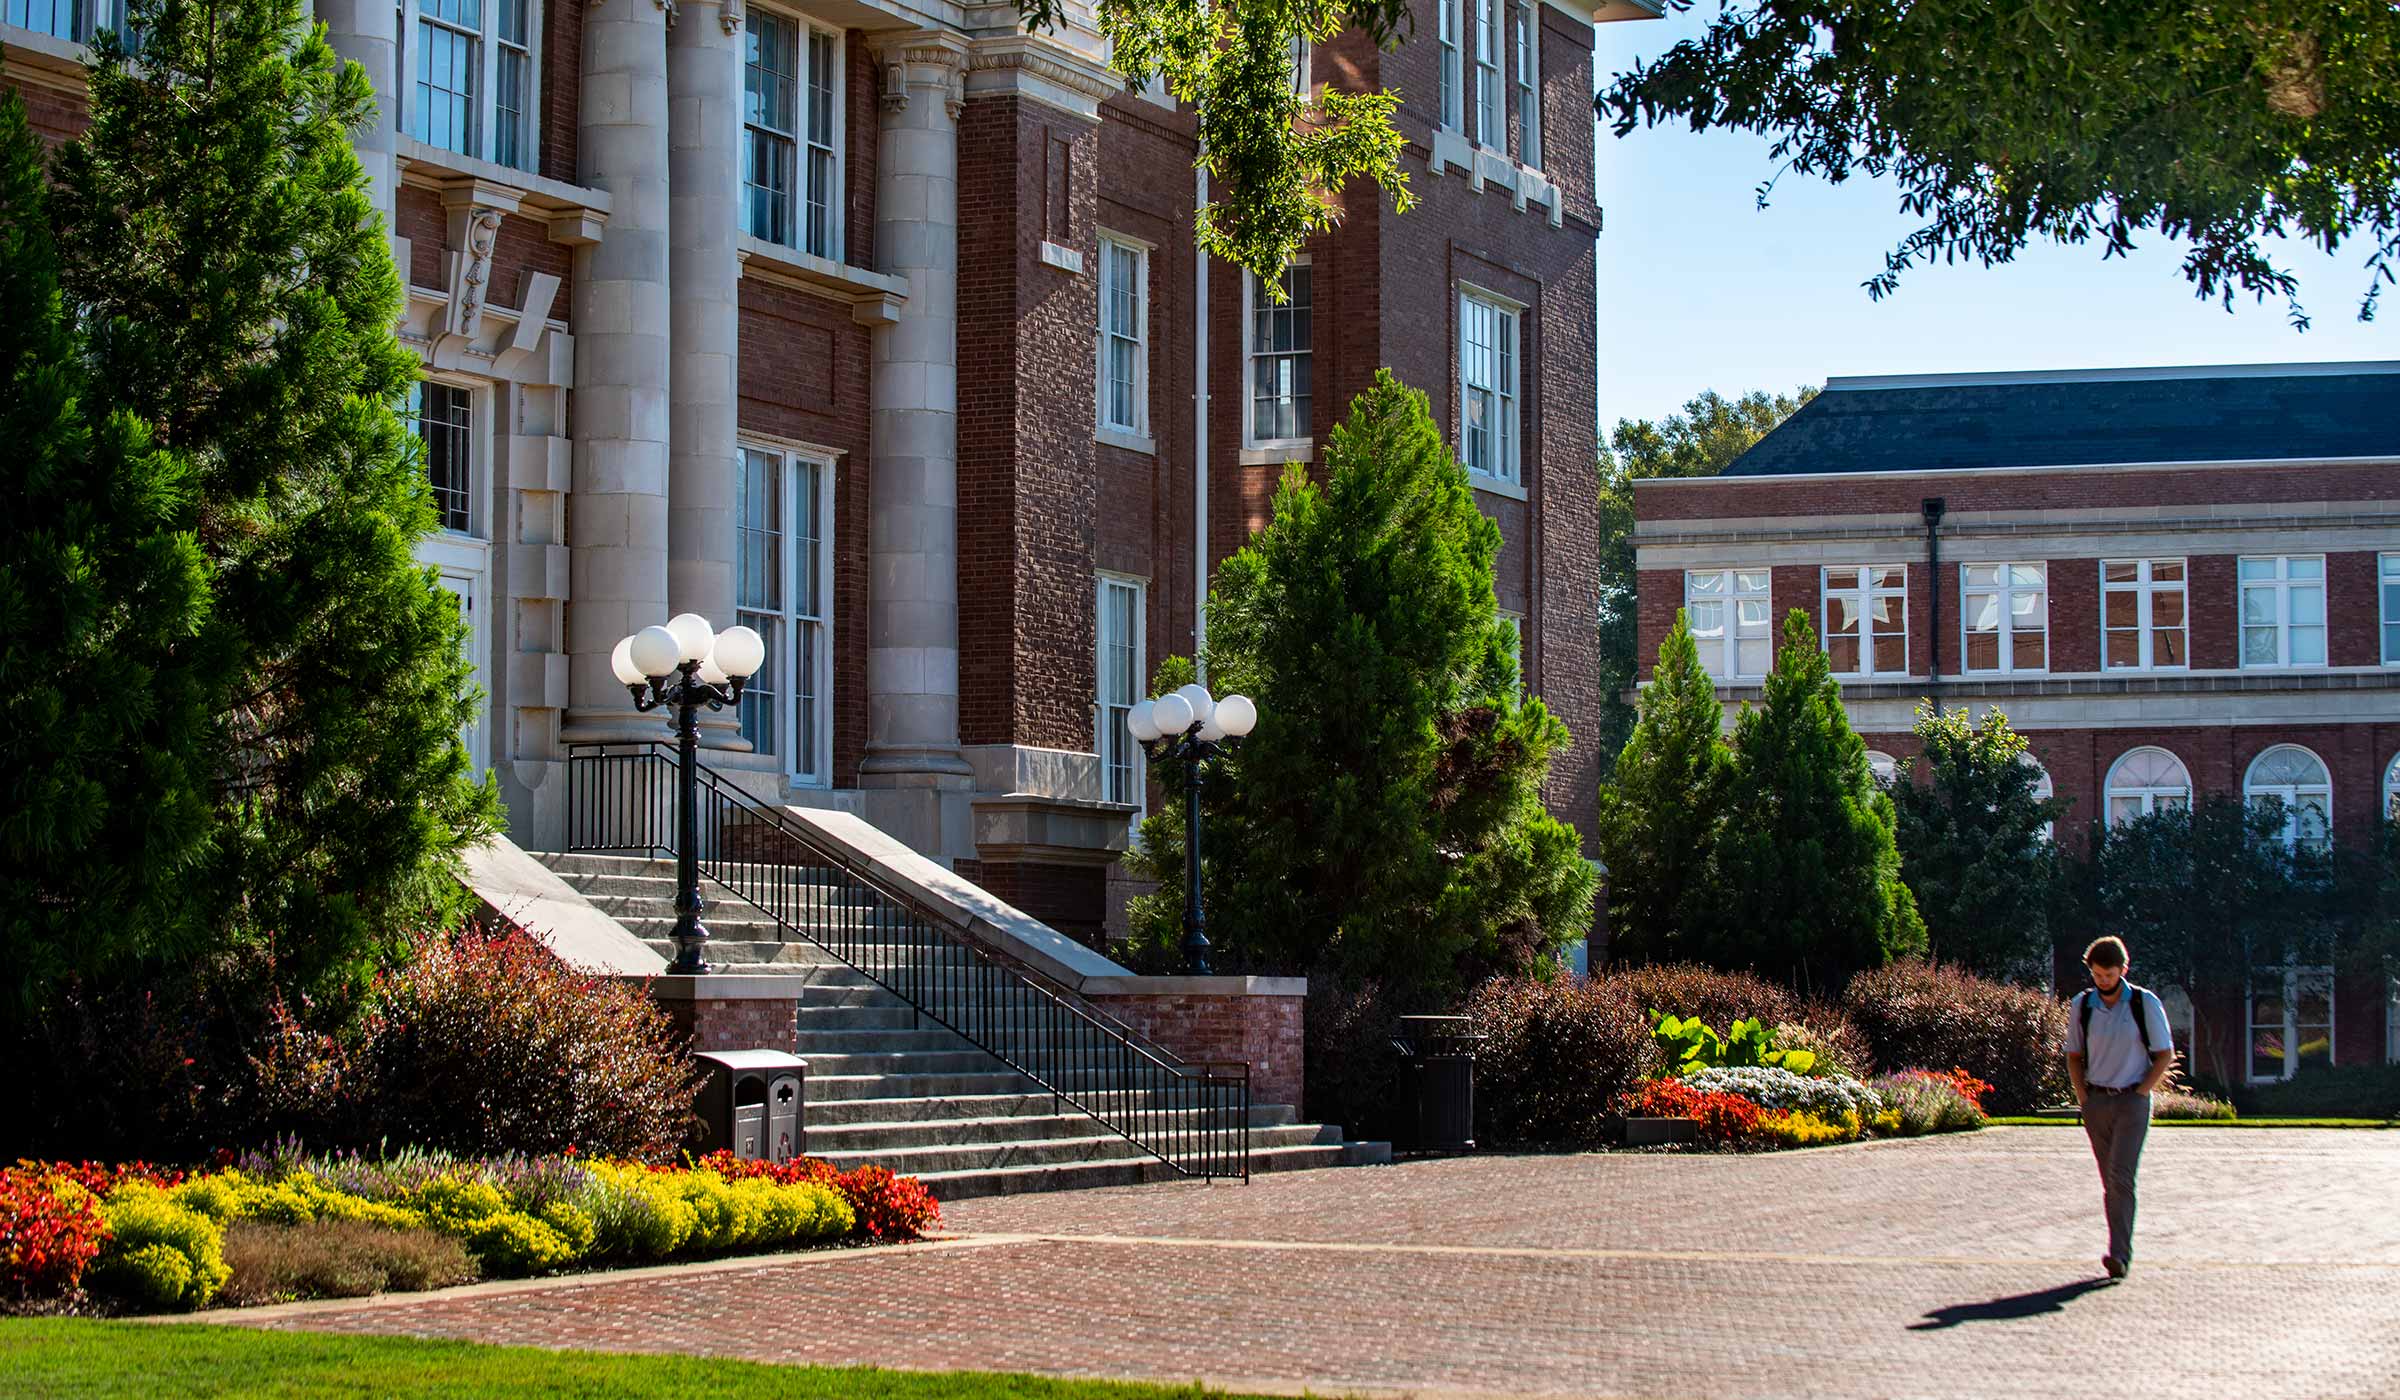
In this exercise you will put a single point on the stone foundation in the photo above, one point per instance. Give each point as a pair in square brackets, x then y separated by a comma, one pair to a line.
[1256, 1020]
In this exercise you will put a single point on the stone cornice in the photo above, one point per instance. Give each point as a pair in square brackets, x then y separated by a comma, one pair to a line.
[1042, 69]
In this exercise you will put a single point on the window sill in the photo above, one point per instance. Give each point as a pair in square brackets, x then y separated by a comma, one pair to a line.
[1130, 441]
[575, 214]
[873, 297]
[1451, 150]
[1492, 485]
[1275, 454]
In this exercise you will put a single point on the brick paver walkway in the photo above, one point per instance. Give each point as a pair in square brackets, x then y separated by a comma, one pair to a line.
[1963, 1266]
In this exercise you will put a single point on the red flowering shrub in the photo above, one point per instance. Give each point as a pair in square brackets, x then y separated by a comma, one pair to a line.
[888, 1207]
[100, 1178]
[1727, 1120]
[1663, 1097]
[47, 1236]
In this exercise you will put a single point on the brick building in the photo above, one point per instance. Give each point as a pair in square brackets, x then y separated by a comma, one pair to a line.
[879, 327]
[2175, 582]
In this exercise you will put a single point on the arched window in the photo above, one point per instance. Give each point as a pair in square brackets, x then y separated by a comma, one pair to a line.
[1885, 767]
[2297, 777]
[2042, 788]
[2144, 780]
[2391, 790]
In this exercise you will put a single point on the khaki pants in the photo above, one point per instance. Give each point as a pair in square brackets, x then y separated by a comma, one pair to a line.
[2117, 1125]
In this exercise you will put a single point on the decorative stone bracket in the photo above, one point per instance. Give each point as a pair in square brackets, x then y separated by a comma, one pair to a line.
[930, 59]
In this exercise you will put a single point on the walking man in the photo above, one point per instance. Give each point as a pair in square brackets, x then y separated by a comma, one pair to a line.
[2119, 1049]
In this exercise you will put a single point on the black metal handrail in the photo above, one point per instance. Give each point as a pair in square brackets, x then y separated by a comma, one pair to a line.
[1194, 1116]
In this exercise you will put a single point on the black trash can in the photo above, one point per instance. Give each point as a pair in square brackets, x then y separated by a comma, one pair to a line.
[752, 1104]
[1435, 1111]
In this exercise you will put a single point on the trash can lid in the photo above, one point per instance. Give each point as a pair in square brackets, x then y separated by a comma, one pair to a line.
[751, 1059]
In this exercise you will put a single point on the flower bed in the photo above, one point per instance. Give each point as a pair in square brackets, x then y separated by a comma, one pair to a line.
[284, 1224]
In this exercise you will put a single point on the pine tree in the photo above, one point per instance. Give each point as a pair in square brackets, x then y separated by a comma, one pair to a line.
[214, 226]
[1806, 880]
[1386, 815]
[1661, 809]
[1975, 846]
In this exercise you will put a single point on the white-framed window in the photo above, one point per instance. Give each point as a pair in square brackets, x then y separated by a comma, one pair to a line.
[2289, 1020]
[1120, 627]
[783, 587]
[1276, 345]
[445, 416]
[1885, 767]
[1124, 335]
[2004, 617]
[1490, 127]
[473, 86]
[1488, 426]
[1304, 57]
[73, 20]
[2283, 610]
[2388, 587]
[1529, 82]
[2391, 790]
[792, 133]
[2298, 779]
[2146, 780]
[1448, 17]
[1866, 619]
[453, 421]
[1727, 611]
[2043, 790]
[2143, 621]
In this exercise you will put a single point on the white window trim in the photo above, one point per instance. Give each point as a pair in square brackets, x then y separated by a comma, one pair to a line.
[468, 557]
[1137, 435]
[2282, 584]
[1730, 644]
[1529, 133]
[1866, 592]
[86, 18]
[2144, 590]
[404, 98]
[1450, 56]
[786, 694]
[2151, 797]
[2387, 579]
[1510, 448]
[2291, 793]
[837, 203]
[2391, 790]
[1883, 767]
[2292, 973]
[2007, 632]
[1102, 581]
[1251, 441]
[1491, 76]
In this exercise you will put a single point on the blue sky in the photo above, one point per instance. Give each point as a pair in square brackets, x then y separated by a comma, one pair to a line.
[1699, 289]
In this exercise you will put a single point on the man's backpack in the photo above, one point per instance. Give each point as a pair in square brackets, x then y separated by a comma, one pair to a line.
[2089, 997]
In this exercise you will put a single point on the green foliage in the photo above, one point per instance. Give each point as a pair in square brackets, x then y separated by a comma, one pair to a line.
[269, 1263]
[1975, 849]
[1661, 809]
[2217, 125]
[1687, 1043]
[1385, 816]
[159, 1255]
[1702, 440]
[1805, 877]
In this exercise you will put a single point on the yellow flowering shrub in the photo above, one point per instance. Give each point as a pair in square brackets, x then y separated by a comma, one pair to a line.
[1808, 1129]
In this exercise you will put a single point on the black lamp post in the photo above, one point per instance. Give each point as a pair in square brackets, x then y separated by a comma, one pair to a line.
[1189, 727]
[687, 664]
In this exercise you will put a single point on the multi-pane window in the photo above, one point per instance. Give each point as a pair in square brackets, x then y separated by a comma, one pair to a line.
[473, 86]
[2390, 590]
[783, 587]
[1866, 620]
[1488, 128]
[1487, 387]
[791, 174]
[1449, 16]
[1278, 354]
[1726, 610]
[445, 420]
[1529, 82]
[1120, 671]
[2142, 618]
[2005, 616]
[2290, 1020]
[1884, 768]
[2283, 610]
[2391, 791]
[75, 20]
[2296, 779]
[2145, 780]
[1124, 336]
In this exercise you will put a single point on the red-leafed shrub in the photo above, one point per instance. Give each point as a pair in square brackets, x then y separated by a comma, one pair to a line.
[888, 1207]
[1916, 1013]
[1556, 1056]
[1722, 998]
[100, 1178]
[50, 1229]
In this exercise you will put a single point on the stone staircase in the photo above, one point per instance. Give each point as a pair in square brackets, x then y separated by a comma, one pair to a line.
[889, 1087]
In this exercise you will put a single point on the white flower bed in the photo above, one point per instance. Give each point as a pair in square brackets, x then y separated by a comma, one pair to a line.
[1785, 1092]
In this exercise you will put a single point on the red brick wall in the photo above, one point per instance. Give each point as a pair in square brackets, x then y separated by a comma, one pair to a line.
[1264, 1032]
[562, 88]
[524, 247]
[861, 122]
[417, 216]
[1898, 493]
[1070, 898]
[746, 1023]
[2353, 610]
[2215, 610]
[56, 117]
[2074, 614]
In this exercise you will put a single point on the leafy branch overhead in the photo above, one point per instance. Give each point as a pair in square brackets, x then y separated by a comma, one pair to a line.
[1277, 152]
[2221, 124]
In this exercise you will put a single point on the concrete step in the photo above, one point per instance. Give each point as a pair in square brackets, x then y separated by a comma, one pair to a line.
[925, 1162]
[885, 1142]
[827, 1087]
[597, 885]
[839, 1113]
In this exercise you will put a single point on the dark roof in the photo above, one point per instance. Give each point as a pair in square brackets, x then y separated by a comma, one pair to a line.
[2195, 416]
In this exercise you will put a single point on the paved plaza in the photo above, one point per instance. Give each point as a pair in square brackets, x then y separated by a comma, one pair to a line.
[2268, 1266]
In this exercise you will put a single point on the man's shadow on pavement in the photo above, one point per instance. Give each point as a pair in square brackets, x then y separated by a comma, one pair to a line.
[2048, 1300]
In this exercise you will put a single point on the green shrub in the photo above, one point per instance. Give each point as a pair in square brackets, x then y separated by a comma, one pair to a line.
[1920, 1102]
[799, 1213]
[1918, 1013]
[2325, 1091]
[637, 1213]
[1829, 1051]
[337, 1259]
[1687, 1043]
[512, 1242]
[1722, 998]
[573, 1224]
[1555, 1057]
[159, 1255]
[1351, 1071]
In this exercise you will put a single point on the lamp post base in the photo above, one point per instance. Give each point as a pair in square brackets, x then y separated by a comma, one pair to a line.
[691, 936]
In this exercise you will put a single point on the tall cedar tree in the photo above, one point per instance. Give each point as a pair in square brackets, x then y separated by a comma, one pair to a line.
[215, 229]
[1806, 884]
[1385, 817]
[104, 600]
[1975, 846]
[1662, 807]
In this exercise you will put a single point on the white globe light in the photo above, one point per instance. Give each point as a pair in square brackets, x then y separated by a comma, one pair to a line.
[1139, 723]
[693, 636]
[1236, 715]
[1210, 731]
[621, 662]
[740, 651]
[1196, 696]
[712, 673]
[654, 652]
[1171, 713]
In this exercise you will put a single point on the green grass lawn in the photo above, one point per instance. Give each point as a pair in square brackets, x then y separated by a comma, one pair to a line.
[2069, 1120]
[50, 1359]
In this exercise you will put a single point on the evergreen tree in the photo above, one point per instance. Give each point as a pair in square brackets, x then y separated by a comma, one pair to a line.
[1660, 811]
[1806, 881]
[1385, 817]
[1975, 848]
[238, 296]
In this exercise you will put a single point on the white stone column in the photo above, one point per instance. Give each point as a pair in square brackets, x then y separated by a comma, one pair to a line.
[912, 609]
[617, 513]
[367, 33]
[704, 124]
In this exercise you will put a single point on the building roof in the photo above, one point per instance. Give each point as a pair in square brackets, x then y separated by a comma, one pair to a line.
[2214, 413]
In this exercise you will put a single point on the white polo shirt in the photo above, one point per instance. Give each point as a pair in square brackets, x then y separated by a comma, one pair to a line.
[2116, 1059]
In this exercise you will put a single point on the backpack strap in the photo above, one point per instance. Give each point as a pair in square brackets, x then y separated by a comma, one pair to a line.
[2083, 1013]
[2141, 1023]
[2088, 997]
